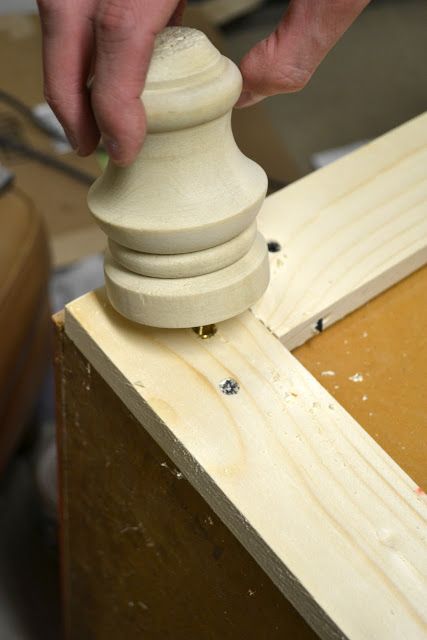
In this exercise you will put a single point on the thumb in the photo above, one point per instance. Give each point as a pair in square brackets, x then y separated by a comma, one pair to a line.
[285, 61]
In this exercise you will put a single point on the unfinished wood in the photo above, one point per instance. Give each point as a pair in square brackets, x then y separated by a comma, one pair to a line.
[333, 521]
[189, 190]
[374, 364]
[347, 232]
[144, 556]
[180, 265]
[189, 302]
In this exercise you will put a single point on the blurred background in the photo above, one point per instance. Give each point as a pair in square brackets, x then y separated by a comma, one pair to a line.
[51, 251]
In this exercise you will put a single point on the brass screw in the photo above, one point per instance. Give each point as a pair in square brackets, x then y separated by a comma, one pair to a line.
[206, 331]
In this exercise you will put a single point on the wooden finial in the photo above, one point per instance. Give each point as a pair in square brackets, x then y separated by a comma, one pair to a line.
[183, 246]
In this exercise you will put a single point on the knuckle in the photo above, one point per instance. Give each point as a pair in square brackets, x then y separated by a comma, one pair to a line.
[269, 73]
[292, 78]
[285, 75]
[115, 19]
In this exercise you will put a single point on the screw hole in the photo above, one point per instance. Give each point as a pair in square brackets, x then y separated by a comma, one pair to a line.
[319, 325]
[274, 246]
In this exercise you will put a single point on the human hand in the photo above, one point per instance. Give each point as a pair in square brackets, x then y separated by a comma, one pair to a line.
[113, 39]
[285, 61]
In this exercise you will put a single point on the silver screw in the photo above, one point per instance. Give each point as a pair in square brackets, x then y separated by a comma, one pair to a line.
[229, 386]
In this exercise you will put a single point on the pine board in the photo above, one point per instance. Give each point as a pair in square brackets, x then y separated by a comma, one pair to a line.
[347, 232]
[329, 516]
[134, 531]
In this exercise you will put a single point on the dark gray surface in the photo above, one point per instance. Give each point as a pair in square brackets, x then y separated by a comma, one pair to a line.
[29, 583]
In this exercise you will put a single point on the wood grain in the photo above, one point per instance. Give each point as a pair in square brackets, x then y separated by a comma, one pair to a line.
[333, 521]
[209, 197]
[143, 555]
[347, 232]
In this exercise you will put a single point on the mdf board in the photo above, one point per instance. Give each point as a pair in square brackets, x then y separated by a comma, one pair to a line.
[330, 518]
[374, 363]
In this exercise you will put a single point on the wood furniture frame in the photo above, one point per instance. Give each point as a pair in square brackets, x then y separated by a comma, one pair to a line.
[334, 522]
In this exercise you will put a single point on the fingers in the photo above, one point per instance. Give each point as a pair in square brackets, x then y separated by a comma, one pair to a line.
[67, 52]
[119, 35]
[285, 61]
[125, 31]
[176, 19]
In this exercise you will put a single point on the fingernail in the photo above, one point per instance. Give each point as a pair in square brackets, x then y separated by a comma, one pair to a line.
[248, 98]
[113, 148]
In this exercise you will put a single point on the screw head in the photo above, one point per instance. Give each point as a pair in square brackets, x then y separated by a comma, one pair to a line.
[229, 386]
[273, 246]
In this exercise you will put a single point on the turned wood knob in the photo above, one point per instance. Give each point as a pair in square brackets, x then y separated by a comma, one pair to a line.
[183, 249]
